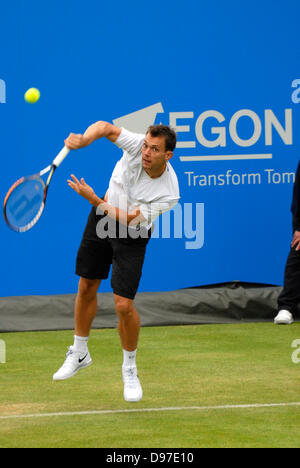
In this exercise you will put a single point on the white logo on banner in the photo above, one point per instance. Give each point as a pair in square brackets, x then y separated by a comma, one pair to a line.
[219, 133]
[2, 92]
[140, 120]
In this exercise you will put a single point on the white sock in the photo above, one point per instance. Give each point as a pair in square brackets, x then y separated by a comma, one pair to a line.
[80, 344]
[129, 358]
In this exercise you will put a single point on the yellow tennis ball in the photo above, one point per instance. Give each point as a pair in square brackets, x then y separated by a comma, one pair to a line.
[32, 95]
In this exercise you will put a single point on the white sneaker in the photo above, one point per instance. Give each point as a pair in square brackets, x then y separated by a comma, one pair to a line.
[284, 317]
[73, 363]
[132, 388]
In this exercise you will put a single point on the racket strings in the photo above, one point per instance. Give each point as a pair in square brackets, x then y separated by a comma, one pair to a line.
[25, 200]
[34, 221]
[25, 204]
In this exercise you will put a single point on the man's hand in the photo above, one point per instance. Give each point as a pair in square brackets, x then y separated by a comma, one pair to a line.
[131, 218]
[84, 190]
[76, 141]
[296, 240]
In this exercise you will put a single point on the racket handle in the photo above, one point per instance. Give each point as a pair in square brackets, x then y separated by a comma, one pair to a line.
[61, 156]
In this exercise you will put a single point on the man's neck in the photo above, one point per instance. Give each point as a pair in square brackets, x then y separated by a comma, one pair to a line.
[154, 174]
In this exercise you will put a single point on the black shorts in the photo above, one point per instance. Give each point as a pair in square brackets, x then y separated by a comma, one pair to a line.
[105, 243]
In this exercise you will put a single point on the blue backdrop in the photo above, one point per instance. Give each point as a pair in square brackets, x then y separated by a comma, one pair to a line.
[225, 74]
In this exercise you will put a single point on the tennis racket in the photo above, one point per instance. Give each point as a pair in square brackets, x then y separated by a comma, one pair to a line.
[25, 201]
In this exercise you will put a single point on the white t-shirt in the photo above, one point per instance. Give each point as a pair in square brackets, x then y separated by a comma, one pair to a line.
[130, 186]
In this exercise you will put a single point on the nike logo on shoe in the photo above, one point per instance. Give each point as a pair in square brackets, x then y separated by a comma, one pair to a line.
[80, 360]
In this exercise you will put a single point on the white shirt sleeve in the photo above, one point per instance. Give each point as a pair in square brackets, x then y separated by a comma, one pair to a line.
[130, 142]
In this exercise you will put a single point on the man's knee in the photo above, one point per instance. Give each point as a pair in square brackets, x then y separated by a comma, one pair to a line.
[88, 288]
[124, 307]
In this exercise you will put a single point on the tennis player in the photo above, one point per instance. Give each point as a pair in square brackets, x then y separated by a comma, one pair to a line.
[142, 186]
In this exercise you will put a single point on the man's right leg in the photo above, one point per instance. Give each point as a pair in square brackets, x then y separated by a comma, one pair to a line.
[93, 260]
[78, 356]
[86, 306]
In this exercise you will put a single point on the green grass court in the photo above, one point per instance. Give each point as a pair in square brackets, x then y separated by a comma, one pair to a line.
[179, 367]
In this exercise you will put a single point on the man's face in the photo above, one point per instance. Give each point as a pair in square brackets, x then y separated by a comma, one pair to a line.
[154, 153]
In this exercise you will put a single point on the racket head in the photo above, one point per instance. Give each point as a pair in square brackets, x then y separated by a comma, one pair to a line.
[24, 203]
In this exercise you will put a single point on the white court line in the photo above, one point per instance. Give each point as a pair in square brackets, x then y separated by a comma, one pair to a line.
[149, 410]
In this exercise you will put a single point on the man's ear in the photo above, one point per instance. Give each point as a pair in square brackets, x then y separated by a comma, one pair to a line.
[169, 155]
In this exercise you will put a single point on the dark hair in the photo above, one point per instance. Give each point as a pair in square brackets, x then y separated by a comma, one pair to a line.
[167, 132]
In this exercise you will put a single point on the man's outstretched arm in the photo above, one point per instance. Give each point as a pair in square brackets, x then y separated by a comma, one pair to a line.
[93, 132]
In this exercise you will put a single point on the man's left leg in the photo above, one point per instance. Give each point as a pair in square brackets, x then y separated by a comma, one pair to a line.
[129, 329]
[127, 264]
[129, 322]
